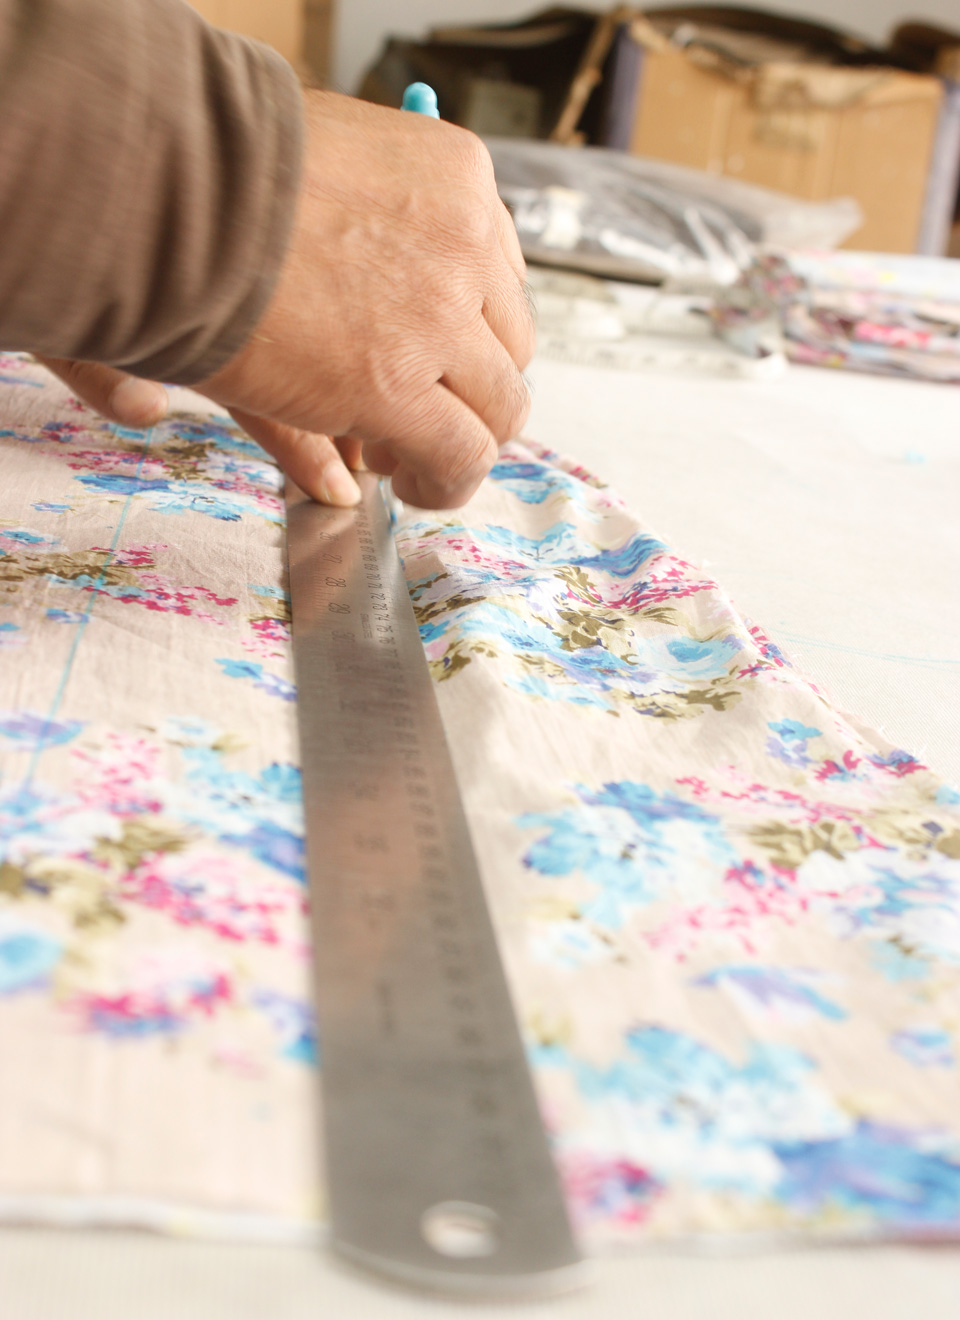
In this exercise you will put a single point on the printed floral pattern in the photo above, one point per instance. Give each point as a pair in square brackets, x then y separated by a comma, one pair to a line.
[730, 915]
[893, 315]
[746, 893]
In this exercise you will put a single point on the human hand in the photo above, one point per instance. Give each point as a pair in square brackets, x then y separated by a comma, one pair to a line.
[315, 463]
[399, 317]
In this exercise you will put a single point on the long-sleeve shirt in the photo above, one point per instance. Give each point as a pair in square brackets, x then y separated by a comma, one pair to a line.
[148, 176]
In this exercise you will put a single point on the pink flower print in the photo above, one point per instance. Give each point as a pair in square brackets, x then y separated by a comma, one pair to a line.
[846, 770]
[153, 1010]
[137, 556]
[770, 654]
[205, 888]
[116, 460]
[120, 776]
[750, 897]
[270, 640]
[616, 1190]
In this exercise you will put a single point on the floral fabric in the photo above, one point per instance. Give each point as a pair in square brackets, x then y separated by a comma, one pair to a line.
[730, 915]
[893, 315]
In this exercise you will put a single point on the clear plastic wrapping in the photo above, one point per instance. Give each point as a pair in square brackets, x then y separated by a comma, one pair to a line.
[609, 213]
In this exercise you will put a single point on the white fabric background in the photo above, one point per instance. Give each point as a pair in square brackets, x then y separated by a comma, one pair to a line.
[827, 504]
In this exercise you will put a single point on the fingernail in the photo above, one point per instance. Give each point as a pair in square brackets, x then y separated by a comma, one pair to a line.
[338, 487]
[139, 402]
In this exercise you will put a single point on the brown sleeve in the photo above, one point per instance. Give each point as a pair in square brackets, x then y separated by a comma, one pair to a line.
[148, 176]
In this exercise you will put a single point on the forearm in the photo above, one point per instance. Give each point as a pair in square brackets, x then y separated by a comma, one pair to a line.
[148, 176]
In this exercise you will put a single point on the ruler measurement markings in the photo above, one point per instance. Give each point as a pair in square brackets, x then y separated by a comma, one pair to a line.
[422, 1062]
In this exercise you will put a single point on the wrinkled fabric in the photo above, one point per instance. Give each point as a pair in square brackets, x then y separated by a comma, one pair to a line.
[729, 914]
[887, 314]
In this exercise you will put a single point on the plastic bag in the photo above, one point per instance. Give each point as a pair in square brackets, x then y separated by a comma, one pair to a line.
[609, 213]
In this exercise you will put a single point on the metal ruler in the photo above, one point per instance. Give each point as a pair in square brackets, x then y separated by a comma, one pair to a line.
[437, 1165]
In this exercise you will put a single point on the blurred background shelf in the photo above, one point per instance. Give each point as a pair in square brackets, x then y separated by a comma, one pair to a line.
[866, 107]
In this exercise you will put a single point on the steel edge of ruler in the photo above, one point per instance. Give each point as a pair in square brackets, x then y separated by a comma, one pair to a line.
[429, 1107]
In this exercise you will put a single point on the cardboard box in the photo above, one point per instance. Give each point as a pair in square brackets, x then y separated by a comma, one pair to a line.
[318, 40]
[277, 22]
[930, 49]
[772, 108]
[504, 79]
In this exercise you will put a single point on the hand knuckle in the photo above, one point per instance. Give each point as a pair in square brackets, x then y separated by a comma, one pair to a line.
[474, 156]
[471, 228]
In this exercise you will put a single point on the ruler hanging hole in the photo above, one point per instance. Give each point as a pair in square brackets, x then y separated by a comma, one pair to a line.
[458, 1228]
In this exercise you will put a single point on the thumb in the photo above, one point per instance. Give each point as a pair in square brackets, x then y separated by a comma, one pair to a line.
[120, 397]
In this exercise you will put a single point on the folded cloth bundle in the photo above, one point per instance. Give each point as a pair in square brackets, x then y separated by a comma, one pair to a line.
[899, 316]
[730, 915]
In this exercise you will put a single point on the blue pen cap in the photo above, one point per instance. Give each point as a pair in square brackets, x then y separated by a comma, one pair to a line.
[421, 99]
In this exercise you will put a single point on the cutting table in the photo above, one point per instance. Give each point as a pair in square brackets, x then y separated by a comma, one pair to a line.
[826, 504]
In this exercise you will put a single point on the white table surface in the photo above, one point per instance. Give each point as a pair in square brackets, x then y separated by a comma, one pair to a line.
[828, 505]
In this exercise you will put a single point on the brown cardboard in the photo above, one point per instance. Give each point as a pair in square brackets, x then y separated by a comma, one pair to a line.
[812, 129]
[277, 22]
[928, 48]
[543, 53]
[318, 40]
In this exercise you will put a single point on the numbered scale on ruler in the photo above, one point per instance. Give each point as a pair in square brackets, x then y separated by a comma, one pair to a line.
[437, 1166]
